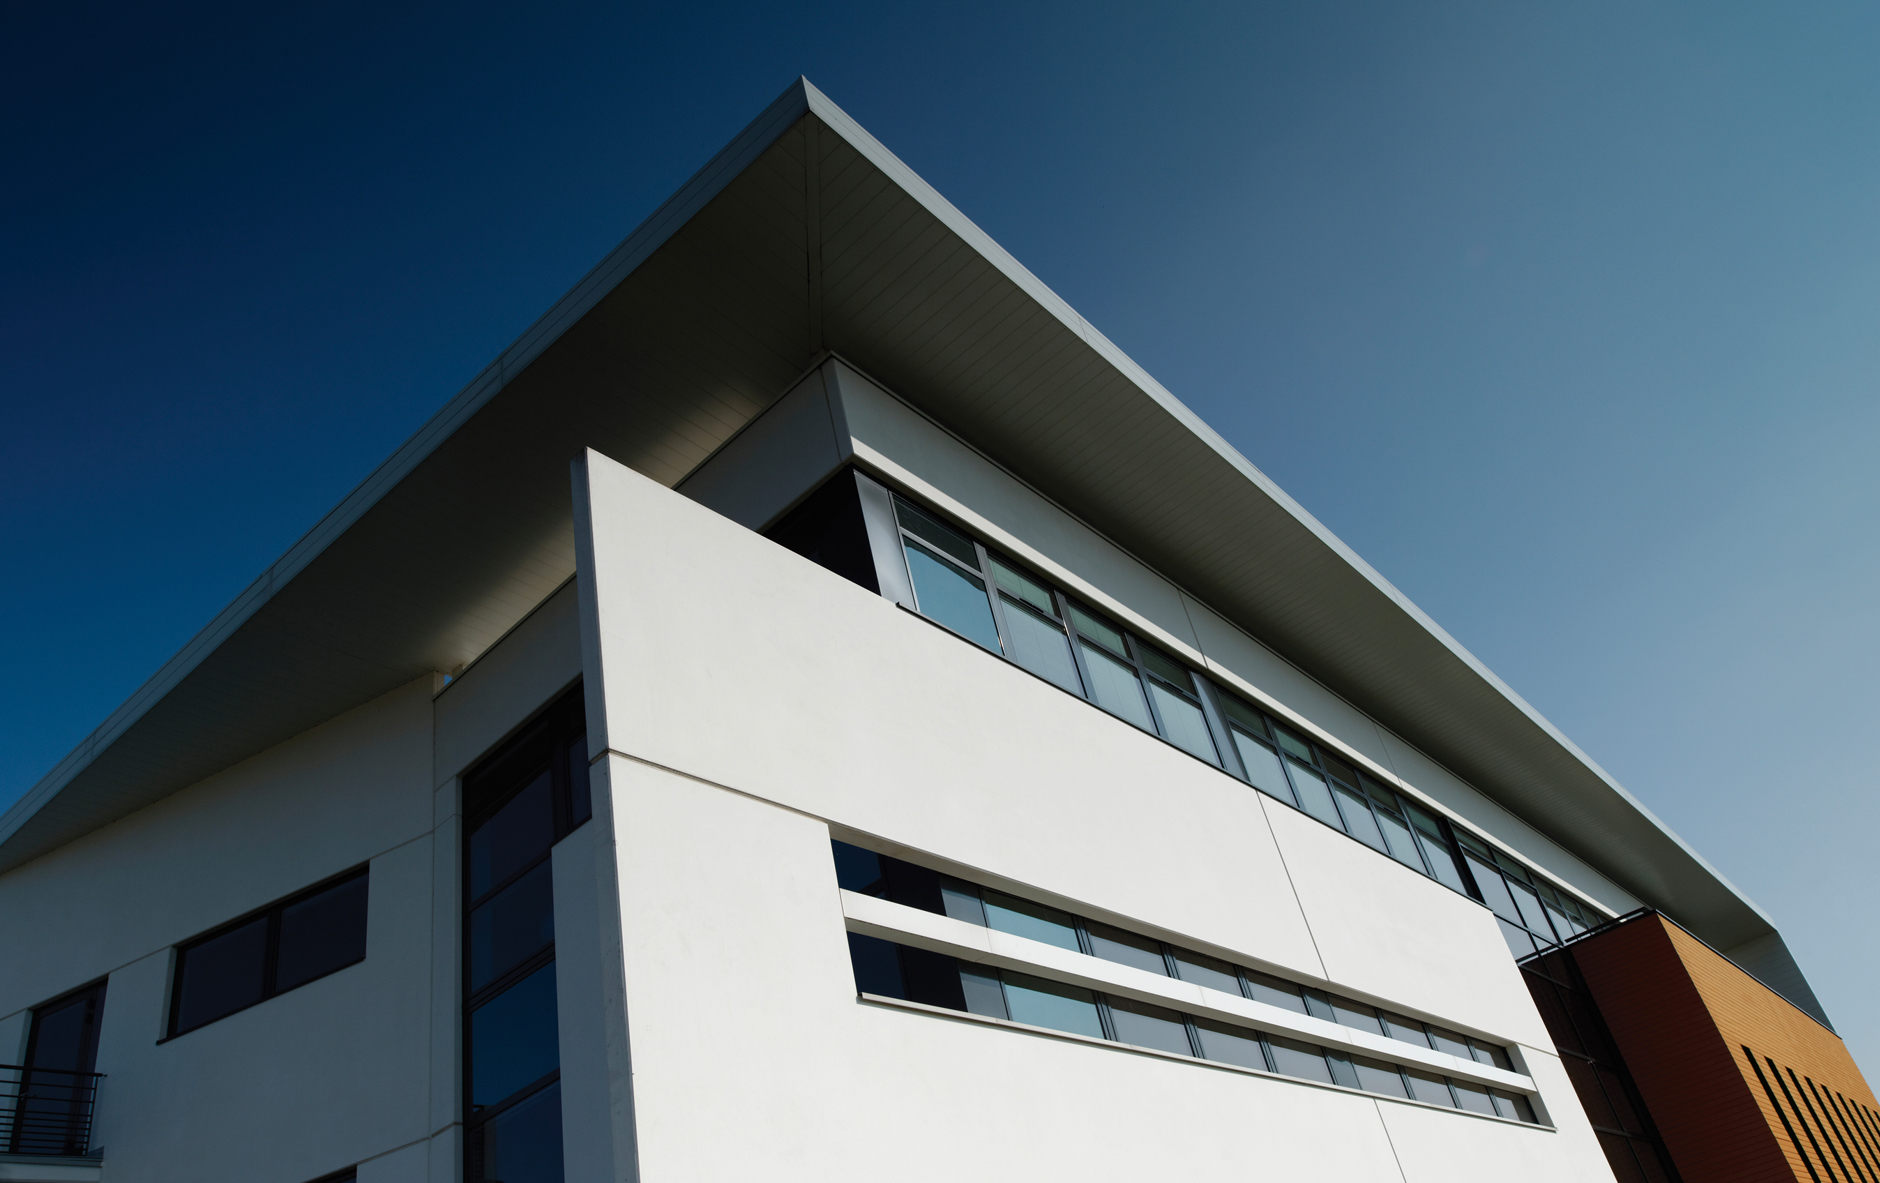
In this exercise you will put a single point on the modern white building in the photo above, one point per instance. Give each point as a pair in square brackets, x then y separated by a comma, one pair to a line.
[814, 709]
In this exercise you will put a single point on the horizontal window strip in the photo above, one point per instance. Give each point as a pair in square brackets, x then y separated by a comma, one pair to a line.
[949, 918]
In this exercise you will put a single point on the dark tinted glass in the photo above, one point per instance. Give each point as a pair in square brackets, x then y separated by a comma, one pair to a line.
[1143, 1025]
[1126, 948]
[522, 1144]
[222, 975]
[1491, 1053]
[1163, 666]
[877, 965]
[580, 797]
[1242, 715]
[1519, 942]
[515, 836]
[65, 1034]
[512, 926]
[1230, 1045]
[1293, 745]
[1294, 1058]
[1318, 1005]
[932, 978]
[932, 530]
[1338, 768]
[857, 869]
[1098, 629]
[1207, 971]
[952, 597]
[828, 530]
[321, 934]
[513, 1039]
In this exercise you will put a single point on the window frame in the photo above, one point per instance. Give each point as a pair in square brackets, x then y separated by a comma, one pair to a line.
[271, 954]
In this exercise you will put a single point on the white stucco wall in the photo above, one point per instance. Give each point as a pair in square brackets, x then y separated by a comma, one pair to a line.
[752, 703]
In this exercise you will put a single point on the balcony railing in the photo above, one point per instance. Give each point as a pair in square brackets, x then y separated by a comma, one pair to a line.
[45, 1110]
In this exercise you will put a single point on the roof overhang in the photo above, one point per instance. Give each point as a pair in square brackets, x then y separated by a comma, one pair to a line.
[805, 235]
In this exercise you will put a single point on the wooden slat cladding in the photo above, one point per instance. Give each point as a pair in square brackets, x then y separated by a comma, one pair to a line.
[1742, 1084]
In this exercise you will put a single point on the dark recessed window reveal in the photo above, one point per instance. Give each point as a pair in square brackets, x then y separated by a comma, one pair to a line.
[917, 975]
[306, 936]
[995, 603]
[518, 803]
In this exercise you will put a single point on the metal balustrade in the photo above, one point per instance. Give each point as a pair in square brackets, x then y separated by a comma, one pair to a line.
[46, 1111]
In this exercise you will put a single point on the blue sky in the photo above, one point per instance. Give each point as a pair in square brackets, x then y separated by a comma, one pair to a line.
[1563, 316]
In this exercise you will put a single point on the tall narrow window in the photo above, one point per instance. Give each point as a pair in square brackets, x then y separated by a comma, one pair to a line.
[53, 1113]
[517, 804]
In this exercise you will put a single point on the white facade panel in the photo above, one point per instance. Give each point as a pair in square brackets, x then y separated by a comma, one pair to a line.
[752, 701]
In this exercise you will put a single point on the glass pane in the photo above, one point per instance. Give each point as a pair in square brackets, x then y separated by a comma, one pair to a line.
[962, 902]
[1294, 1058]
[1142, 1025]
[1519, 942]
[1532, 914]
[1187, 729]
[1318, 1005]
[1513, 1105]
[937, 533]
[1402, 846]
[932, 978]
[1342, 1071]
[1436, 851]
[1563, 924]
[1356, 1015]
[857, 869]
[1292, 745]
[1337, 767]
[1126, 948]
[1098, 629]
[580, 797]
[222, 975]
[1358, 820]
[522, 1144]
[1375, 1076]
[1022, 918]
[983, 993]
[1230, 1045]
[511, 927]
[1163, 666]
[512, 1039]
[1429, 1088]
[1474, 1097]
[952, 597]
[1491, 1053]
[877, 966]
[1024, 587]
[1275, 991]
[1314, 795]
[1051, 1004]
[1403, 1029]
[1494, 889]
[1242, 715]
[1115, 687]
[65, 1036]
[1041, 646]
[1263, 768]
[1207, 971]
[322, 934]
[1445, 1040]
[513, 837]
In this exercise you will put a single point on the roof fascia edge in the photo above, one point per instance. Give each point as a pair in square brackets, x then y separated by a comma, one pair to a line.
[949, 215]
[633, 250]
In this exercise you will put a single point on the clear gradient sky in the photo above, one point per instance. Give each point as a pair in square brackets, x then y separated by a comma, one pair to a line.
[1565, 317]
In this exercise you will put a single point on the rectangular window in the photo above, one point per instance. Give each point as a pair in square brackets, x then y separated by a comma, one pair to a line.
[888, 970]
[518, 803]
[51, 1107]
[305, 937]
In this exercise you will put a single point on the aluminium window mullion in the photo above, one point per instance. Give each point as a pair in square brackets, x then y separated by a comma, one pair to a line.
[1063, 603]
[1219, 730]
[1134, 656]
[998, 601]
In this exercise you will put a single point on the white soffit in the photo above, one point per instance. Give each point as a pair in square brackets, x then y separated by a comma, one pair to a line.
[805, 235]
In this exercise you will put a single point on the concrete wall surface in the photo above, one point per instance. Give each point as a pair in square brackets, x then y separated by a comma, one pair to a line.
[751, 704]
[837, 415]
